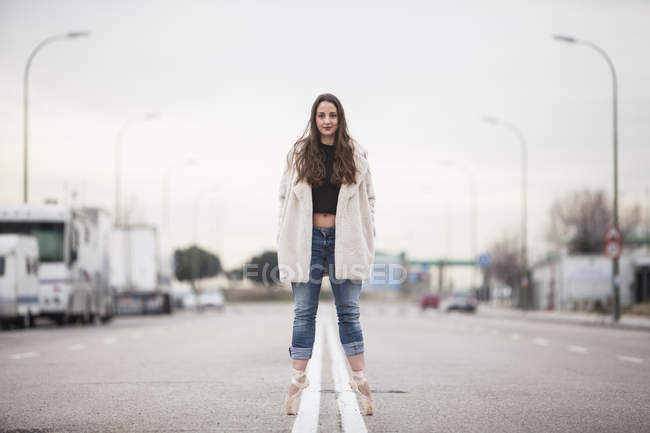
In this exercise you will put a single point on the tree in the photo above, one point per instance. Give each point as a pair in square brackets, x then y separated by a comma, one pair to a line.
[194, 263]
[506, 263]
[264, 269]
[580, 219]
[235, 274]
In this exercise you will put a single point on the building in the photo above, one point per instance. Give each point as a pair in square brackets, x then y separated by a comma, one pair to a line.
[584, 282]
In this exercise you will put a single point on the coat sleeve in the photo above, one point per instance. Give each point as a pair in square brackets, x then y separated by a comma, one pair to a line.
[284, 188]
[370, 189]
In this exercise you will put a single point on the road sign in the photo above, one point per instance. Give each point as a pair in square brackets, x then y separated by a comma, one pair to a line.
[613, 234]
[484, 260]
[613, 249]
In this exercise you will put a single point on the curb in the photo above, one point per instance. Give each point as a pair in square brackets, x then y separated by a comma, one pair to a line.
[535, 316]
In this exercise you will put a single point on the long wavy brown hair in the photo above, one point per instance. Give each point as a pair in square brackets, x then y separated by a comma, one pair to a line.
[310, 160]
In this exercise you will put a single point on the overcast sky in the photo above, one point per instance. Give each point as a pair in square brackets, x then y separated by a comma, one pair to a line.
[234, 82]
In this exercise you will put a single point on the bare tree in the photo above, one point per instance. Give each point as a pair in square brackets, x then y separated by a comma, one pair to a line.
[506, 260]
[580, 220]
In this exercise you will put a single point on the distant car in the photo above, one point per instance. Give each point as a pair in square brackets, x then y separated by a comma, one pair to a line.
[213, 299]
[429, 301]
[460, 301]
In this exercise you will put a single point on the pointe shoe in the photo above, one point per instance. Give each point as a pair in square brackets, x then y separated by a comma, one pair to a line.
[291, 401]
[367, 402]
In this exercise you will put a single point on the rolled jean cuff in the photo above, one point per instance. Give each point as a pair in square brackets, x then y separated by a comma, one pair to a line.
[300, 352]
[353, 348]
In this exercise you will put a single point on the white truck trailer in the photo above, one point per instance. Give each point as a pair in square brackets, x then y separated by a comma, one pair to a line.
[19, 291]
[73, 250]
[135, 271]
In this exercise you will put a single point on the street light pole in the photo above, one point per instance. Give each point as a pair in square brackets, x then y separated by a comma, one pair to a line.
[524, 193]
[615, 261]
[38, 47]
[119, 219]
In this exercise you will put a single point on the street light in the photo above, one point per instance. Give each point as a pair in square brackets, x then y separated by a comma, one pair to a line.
[615, 262]
[119, 219]
[71, 35]
[524, 187]
[472, 195]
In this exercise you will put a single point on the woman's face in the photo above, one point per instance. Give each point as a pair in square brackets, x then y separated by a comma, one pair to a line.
[327, 119]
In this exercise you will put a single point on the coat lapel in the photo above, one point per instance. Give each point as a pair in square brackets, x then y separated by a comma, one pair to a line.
[348, 190]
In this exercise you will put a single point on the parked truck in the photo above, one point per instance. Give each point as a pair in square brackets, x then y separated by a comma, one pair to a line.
[19, 291]
[74, 260]
[135, 271]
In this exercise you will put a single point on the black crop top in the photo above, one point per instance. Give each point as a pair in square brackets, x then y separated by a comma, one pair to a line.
[325, 196]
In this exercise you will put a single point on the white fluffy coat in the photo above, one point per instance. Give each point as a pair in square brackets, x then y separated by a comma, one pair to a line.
[354, 249]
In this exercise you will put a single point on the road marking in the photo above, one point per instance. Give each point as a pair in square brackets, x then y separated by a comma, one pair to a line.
[494, 332]
[576, 349]
[629, 359]
[351, 419]
[541, 341]
[514, 336]
[308, 411]
[23, 355]
[76, 347]
[109, 340]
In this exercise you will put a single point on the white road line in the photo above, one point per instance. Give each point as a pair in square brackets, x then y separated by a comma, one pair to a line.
[514, 336]
[576, 349]
[76, 347]
[494, 332]
[109, 340]
[541, 341]
[629, 359]
[351, 419]
[23, 355]
[308, 411]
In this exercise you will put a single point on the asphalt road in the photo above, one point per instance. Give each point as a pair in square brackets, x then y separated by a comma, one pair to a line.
[229, 371]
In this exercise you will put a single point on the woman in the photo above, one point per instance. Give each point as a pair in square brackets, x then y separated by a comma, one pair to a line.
[326, 226]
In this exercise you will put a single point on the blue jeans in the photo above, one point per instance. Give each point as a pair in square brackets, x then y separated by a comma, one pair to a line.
[346, 297]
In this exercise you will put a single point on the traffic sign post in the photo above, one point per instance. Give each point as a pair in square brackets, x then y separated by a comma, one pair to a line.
[613, 250]
[613, 234]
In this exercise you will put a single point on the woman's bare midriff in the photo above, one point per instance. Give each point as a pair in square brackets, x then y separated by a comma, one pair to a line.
[324, 219]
